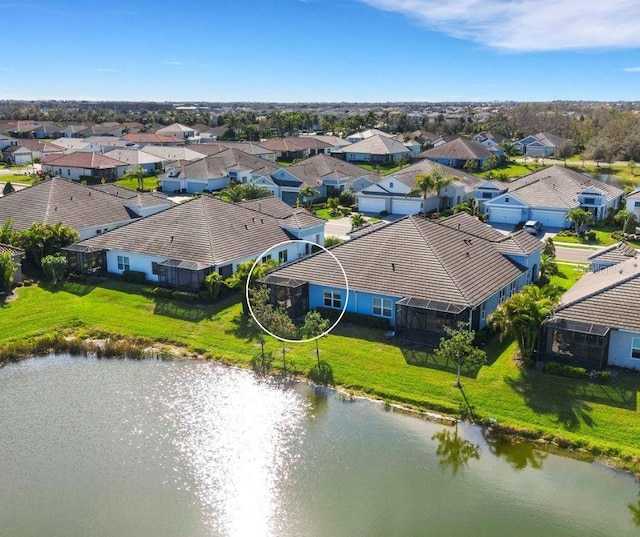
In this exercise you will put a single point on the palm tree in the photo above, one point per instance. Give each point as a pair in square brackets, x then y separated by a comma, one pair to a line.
[440, 182]
[520, 317]
[424, 186]
[627, 220]
[357, 220]
[579, 218]
[307, 194]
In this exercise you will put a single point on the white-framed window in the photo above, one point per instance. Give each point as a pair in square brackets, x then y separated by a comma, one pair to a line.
[266, 258]
[483, 311]
[123, 262]
[635, 348]
[382, 307]
[332, 299]
[283, 256]
[503, 294]
[512, 288]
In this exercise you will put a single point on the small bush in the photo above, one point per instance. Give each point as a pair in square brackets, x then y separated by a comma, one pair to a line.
[186, 296]
[321, 373]
[554, 368]
[133, 276]
[590, 236]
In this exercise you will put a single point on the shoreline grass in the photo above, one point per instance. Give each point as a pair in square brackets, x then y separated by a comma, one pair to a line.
[600, 419]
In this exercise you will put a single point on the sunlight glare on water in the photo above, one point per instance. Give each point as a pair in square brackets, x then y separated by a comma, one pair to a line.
[239, 436]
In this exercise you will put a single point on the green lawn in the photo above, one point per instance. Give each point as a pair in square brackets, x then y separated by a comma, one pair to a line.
[603, 237]
[150, 183]
[325, 214]
[363, 359]
[567, 275]
[382, 169]
[511, 169]
[17, 178]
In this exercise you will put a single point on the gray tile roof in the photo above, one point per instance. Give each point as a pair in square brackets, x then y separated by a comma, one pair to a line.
[313, 170]
[460, 148]
[609, 297]
[290, 217]
[218, 165]
[408, 175]
[615, 253]
[57, 200]
[376, 145]
[413, 257]
[205, 230]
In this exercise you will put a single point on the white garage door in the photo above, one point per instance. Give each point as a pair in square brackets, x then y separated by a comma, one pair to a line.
[405, 207]
[549, 218]
[372, 205]
[502, 215]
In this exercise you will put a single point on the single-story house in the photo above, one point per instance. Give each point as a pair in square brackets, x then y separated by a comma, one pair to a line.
[547, 196]
[77, 144]
[335, 142]
[248, 147]
[363, 135]
[314, 145]
[633, 204]
[169, 154]
[214, 172]
[142, 139]
[179, 131]
[286, 148]
[596, 323]
[491, 140]
[376, 149]
[612, 255]
[390, 194]
[328, 175]
[40, 149]
[459, 151]
[17, 254]
[6, 141]
[17, 155]
[179, 247]
[80, 164]
[543, 144]
[419, 274]
[87, 210]
[136, 157]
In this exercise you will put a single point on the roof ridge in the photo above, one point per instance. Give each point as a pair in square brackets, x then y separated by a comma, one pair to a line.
[208, 229]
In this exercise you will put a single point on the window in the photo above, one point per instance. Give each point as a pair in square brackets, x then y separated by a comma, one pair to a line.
[154, 268]
[589, 201]
[266, 258]
[123, 262]
[637, 203]
[503, 294]
[506, 200]
[391, 184]
[332, 299]
[486, 195]
[483, 311]
[512, 288]
[382, 307]
[635, 348]
[283, 256]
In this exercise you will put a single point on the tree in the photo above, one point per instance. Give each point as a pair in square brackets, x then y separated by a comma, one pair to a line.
[549, 247]
[314, 325]
[627, 220]
[8, 188]
[251, 191]
[440, 182]
[564, 151]
[424, 186]
[40, 240]
[579, 218]
[632, 166]
[333, 204]
[137, 173]
[457, 347]
[282, 326]
[491, 162]
[53, 267]
[7, 270]
[7, 235]
[521, 315]
[402, 161]
[357, 220]
[213, 282]
[307, 194]
[238, 280]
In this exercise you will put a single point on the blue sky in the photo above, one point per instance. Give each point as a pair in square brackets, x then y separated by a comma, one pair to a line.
[321, 50]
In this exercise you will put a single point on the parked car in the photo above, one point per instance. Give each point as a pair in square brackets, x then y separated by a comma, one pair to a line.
[533, 226]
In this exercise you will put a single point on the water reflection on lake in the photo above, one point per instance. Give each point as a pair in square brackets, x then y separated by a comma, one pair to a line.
[147, 448]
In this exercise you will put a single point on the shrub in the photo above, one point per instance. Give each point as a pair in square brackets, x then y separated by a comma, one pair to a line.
[321, 373]
[133, 276]
[554, 368]
[590, 236]
[347, 198]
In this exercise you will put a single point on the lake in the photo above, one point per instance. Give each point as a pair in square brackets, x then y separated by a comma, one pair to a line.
[185, 448]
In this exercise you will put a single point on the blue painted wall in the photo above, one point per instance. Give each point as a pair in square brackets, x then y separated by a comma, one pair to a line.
[359, 301]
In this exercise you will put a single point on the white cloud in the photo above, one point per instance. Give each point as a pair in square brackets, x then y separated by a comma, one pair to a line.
[528, 25]
[632, 69]
[172, 62]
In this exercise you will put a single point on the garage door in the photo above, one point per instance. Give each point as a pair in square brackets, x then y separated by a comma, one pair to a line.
[549, 219]
[405, 206]
[502, 215]
[372, 205]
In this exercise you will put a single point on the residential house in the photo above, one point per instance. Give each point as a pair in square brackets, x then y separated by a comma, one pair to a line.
[491, 140]
[248, 147]
[326, 174]
[179, 131]
[17, 254]
[214, 172]
[172, 153]
[596, 324]
[17, 155]
[419, 274]
[108, 143]
[40, 149]
[612, 255]
[391, 193]
[143, 139]
[314, 145]
[375, 149]
[633, 204]
[137, 157]
[87, 210]
[6, 141]
[179, 247]
[335, 142]
[459, 152]
[543, 144]
[547, 196]
[77, 144]
[81, 165]
[286, 148]
[359, 136]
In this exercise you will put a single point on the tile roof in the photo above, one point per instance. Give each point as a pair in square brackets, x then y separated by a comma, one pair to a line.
[152, 138]
[413, 257]
[83, 159]
[170, 153]
[204, 230]
[408, 175]
[311, 171]
[57, 200]
[219, 164]
[608, 297]
[376, 145]
[616, 253]
[459, 148]
[40, 146]
[134, 156]
[281, 144]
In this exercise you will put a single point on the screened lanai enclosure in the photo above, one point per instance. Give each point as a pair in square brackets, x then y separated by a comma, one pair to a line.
[181, 274]
[423, 321]
[290, 294]
[574, 343]
[85, 259]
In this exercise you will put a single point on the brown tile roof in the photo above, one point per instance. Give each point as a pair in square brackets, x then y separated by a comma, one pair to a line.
[376, 145]
[290, 217]
[408, 175]
[280, 145]
[40, 146]
[311, 171]
[413, 257]
[204, 230]
[609, 297]
[83, 159]
[308, 142]
[152, 138]
[67, 202]
[218, 165]
[460, 148]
